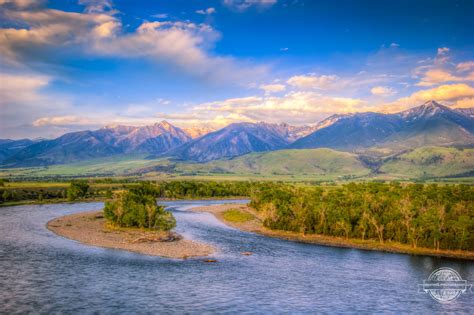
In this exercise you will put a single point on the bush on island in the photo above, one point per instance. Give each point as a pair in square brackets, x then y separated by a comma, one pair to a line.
[137, 208]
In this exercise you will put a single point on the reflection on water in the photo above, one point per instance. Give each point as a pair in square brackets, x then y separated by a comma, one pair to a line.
[41, 272]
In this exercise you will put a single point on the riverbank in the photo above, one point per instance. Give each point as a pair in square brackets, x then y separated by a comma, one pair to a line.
[91, 228]
[254, 224]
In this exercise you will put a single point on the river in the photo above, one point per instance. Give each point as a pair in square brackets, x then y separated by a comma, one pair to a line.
[44, 273]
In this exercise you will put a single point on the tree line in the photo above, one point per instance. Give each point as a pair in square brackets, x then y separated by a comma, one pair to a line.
[93, 189]
[431, 216]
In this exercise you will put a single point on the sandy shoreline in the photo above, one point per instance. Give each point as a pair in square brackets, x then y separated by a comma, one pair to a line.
[90, 228]
[255, 225]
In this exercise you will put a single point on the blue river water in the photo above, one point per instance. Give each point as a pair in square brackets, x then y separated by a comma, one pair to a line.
[41, 272]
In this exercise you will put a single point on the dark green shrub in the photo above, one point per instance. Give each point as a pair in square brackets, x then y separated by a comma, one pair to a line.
[137, 208]
[77, 189]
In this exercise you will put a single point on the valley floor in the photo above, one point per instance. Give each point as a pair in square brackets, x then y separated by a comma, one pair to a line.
[255, 225]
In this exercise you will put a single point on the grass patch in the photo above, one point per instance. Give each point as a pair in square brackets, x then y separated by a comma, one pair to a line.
[237, 216]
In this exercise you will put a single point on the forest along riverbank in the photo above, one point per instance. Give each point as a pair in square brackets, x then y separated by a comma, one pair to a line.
[248, 219]
[91, 228]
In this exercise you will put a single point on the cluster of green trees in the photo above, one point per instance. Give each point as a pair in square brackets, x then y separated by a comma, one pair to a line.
[137, 207]
[98, 189]
[204, 189]
[431, 216]
[77, 189]
[20, 194]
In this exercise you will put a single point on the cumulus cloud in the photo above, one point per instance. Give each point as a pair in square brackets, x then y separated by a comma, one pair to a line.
[242, 5]
[294, 107]
[465, 66]
[97, 6]
[312, 81]
[442, 70]
[207, 11]
[21, 3]
[23, 100]
[16, 89]
[61, 121]
[49, 29]
[272, 88]
[443, 50]
[437, 76]
[180, 44]
[160, 15]
[382, 91]
[456, 95]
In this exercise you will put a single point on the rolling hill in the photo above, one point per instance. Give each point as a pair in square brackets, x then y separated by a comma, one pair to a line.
[286, 162]
[304, 164]
[431, 162]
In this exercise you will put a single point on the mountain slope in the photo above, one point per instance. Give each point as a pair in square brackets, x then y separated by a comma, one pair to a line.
[431, 162]
[197, 131]
[428, 124]
[9, 147]
[432, 124]
[351, 132]
[234, 140]
[288, 162]
[108, 141]
[466, 111]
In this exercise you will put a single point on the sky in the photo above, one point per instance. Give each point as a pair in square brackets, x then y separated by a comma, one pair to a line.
[69, 65]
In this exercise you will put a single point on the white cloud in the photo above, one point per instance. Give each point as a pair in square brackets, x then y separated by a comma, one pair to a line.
[160, 15]
[382, 91]
[48, 29]
[61, 121]
[242, 5]
[312, 81]
[21, 89]
[441, 70]
[97, 6]
[443, 50]
[272, 88]
[437, 76]
[23, 100]
[182, 45]
[465, 66]
[294, 107]
[457, 95]
[207, 11]
[21, 3]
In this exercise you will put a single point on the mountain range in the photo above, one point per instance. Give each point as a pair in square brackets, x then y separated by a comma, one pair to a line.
[428, 124]
[107, 141]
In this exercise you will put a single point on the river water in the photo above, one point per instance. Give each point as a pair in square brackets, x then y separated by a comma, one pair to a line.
[41, 272]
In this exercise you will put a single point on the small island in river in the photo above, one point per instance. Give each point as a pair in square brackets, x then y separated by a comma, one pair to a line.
[92, 228]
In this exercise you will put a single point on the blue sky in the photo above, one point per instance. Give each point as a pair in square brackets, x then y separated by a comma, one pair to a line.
[73, 65]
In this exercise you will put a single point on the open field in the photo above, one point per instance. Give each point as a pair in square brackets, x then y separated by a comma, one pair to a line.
[317, 165]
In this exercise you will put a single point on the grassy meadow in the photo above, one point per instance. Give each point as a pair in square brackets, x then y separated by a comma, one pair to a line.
[308, 165]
